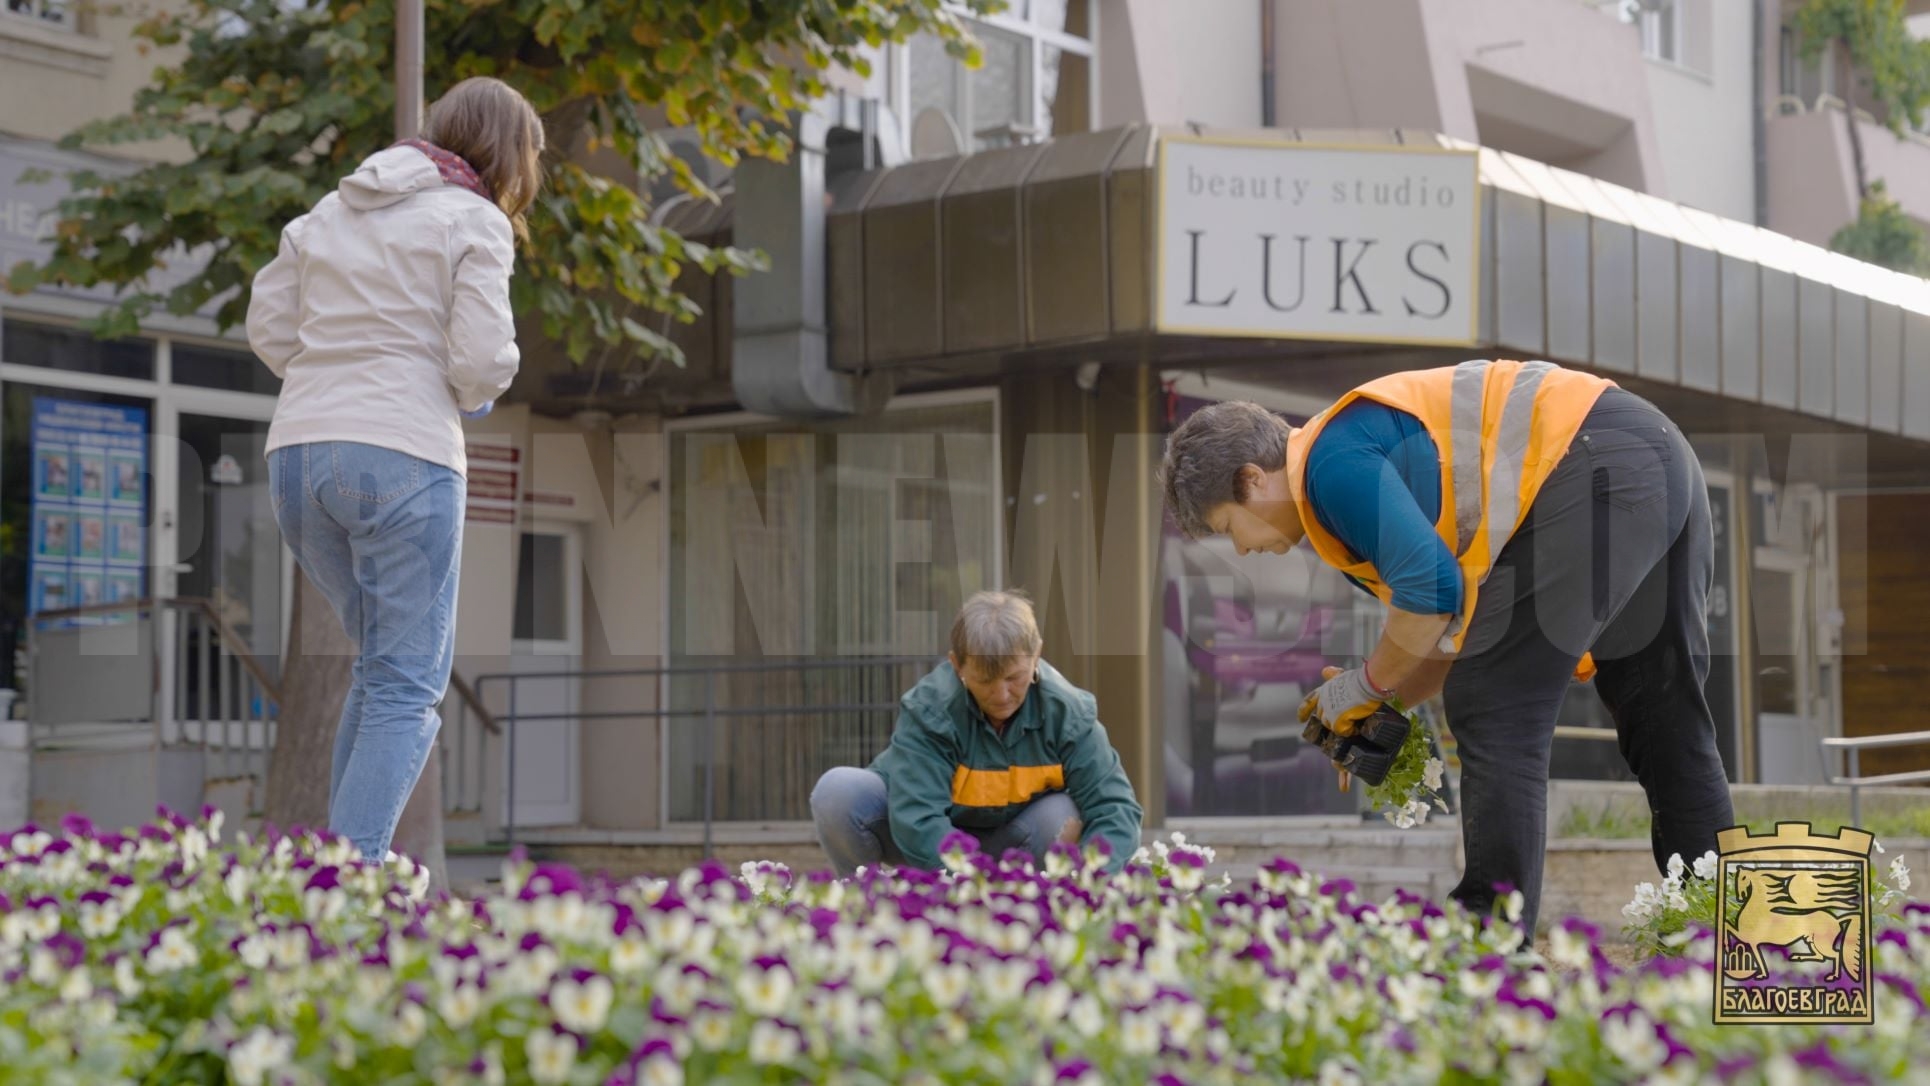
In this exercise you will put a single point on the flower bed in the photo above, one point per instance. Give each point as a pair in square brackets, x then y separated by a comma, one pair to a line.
[169, 957]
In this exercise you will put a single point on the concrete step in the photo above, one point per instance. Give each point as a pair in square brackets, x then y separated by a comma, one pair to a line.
[1426, 847]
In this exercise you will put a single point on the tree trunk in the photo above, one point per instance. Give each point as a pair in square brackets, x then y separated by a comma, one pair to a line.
[314, 683]
[1848, 83]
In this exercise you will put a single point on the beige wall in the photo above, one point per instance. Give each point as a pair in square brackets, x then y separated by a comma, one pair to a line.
[53, 81]
[607, 481]
[1174, 63]
[1702, 111]
[1554, 81]
[612, 477]
[1812, 181]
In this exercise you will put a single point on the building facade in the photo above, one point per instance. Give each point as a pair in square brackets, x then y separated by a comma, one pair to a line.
[688, 592]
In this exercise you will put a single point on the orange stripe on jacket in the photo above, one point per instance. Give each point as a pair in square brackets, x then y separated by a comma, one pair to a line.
[1004, 787]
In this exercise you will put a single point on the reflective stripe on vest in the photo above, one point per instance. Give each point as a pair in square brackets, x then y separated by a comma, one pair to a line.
[1499, 428]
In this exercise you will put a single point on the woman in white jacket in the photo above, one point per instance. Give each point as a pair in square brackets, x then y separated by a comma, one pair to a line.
[386, 314]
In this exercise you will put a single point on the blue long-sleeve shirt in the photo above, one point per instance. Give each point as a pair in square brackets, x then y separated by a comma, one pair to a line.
[1374, 481]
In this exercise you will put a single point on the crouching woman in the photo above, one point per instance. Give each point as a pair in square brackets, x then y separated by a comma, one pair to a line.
[994, 743]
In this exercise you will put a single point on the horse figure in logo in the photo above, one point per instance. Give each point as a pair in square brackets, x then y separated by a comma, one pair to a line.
[1819, 908]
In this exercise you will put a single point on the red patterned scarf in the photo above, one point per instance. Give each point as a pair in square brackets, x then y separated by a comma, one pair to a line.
[455, 169]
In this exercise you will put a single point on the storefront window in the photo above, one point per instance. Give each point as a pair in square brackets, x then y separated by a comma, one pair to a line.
[73, 524]
[1244, 642]
[829, 545]
[1035, 82]
[216, 367]
[28, 344]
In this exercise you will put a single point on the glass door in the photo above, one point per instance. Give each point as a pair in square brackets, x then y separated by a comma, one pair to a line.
[1788, 737]
[546, 639]
[227, 547]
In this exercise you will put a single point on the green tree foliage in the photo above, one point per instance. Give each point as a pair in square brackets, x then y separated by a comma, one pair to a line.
[277, 99]
[1882, 234]
[1879, 66]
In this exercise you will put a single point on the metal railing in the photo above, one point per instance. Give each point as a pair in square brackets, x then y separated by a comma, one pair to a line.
[172, 667]
[1853, 745]
[208, 688]
[708, 711]
[465, 747]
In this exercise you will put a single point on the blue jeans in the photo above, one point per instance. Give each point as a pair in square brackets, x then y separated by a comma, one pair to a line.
[379, 532]
[854, 826]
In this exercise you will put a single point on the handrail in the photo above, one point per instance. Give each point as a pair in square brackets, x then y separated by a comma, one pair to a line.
[235, 645]
[709, 712]
[1853, 745]
[468, 695]
[1888, 739]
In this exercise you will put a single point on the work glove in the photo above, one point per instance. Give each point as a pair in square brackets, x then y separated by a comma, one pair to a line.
[480, 412]
[1342, 702]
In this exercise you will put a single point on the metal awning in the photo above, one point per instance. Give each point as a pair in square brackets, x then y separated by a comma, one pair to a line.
[1028, 256]
[1050, 247]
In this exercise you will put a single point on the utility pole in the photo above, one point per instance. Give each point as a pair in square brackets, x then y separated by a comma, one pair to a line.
[418, 831]
[408, 69]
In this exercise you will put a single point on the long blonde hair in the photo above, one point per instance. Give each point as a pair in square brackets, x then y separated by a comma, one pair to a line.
[497, 131]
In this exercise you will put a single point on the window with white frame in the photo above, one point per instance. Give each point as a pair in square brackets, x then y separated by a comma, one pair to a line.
[1661, 22]
[56, 13]
[1035, 82]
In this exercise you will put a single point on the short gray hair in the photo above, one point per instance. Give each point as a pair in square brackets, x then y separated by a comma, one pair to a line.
[1204, 456]
[995, 630]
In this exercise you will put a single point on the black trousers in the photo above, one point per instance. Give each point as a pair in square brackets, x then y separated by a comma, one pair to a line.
[1615, 557]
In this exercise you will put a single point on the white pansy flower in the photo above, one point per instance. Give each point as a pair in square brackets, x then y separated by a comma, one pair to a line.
[1633, 1040]
[1706, 865]
[1138, 1034]
[582, 1007]
[291, 948]
[947, 984]
[660, 1071]
[1086, 1017]
[1522, 1069]
[772, 1043]
[43, 968]
[1676, 867]
[1568, 949]
[1520, 1028]
[173, 953]
[1512, 906]
[98, 920]
[1184, 1020]
[1899, 874]
[1647, 902]
[1412, 995]
[126, 981]
[630, 955]
[460, 1005]
[531, 972]
[76, 987]
[1783, 1071]
[1480, 987]
[766, 992]
[1005, 981]
[551, 1056]
[711, 1031]
[263, 1050]
[410, 1025]
[1431, 773]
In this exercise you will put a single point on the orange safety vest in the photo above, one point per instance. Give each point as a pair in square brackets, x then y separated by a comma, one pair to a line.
[1500, 427]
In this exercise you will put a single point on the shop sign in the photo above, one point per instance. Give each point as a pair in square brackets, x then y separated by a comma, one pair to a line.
[1298, 241]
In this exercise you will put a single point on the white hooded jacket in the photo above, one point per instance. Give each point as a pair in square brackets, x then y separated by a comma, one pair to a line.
[386, 312]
